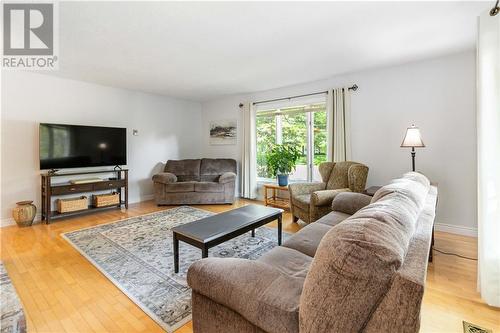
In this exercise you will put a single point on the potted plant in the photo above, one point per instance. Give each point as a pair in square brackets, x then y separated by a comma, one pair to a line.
[281, 160]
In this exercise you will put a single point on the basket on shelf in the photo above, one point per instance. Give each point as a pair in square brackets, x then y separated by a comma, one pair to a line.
[72, 204]
[103, 200]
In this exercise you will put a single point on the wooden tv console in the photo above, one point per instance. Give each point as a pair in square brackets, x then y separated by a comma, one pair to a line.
[49, 191]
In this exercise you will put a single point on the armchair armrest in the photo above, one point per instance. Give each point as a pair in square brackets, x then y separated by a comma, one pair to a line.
[305, 188]
[350, 202]
[255, 290]
[165, 178]
[227, 177]
[325, 197]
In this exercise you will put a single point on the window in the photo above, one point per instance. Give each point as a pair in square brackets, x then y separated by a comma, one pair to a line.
[302, 125]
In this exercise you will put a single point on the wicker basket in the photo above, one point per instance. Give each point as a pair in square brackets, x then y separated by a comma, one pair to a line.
[103, 200]
[72, 204]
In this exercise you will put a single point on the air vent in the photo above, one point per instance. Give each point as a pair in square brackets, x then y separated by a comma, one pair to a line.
[472, 328]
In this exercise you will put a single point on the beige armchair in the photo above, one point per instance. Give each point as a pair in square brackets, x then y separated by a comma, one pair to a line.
[310, 201]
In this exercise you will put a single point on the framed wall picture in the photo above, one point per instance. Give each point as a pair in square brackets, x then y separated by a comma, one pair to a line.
[223, 132]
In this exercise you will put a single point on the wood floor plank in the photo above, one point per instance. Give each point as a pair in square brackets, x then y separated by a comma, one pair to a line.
[62, 292]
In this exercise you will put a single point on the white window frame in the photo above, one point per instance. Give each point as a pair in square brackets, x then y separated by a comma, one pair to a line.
[309, 132]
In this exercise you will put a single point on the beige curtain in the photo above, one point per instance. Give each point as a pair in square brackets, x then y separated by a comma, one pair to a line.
[488, 142]
[248, 153]
[338, 108]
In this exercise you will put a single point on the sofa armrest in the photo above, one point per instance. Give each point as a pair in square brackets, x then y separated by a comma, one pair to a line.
[305, 188]
[227, 177]
[255, 290]
[165, 178]
[325, 197]
[350, 202]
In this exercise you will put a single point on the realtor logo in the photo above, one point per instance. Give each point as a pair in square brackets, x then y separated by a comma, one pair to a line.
[29, 36]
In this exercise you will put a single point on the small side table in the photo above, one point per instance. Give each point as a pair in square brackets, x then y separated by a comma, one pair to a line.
[274, 200]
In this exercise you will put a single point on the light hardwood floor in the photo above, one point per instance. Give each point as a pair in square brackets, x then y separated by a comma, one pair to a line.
[62, 292]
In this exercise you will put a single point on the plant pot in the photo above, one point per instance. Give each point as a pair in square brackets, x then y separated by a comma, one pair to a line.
[24, 213]
[282, 180]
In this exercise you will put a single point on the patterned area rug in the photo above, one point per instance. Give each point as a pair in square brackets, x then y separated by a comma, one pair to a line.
[11, 311]
[136, 255]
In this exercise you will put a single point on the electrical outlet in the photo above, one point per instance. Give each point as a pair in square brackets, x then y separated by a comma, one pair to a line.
[135, 132]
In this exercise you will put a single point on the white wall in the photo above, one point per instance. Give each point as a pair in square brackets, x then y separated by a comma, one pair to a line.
[437, 95]
[168, 129]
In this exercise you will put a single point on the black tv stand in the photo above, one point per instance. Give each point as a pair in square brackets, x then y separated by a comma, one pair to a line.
[118, 183]
[117, 167]
[52, 171]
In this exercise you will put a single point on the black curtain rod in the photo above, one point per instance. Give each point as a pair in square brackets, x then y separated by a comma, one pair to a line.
[353, 88]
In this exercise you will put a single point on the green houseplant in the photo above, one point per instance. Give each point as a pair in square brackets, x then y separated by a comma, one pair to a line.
[281, 160]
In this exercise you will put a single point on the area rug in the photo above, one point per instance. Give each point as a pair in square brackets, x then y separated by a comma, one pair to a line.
[136, 255]
[12, 319]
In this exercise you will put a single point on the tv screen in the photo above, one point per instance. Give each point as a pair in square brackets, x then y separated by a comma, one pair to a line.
[74, 146]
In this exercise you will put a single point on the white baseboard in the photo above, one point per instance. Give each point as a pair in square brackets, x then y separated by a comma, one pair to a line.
[5, 222]
[456, 229]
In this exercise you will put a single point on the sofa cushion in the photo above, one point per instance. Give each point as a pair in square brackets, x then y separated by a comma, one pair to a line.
[308, 238]
[179, 187]
[350, 202]
[333, 218]
[288, 261]
[185, 170]
[302, 200]
[208, 187]
[356, 262]
[212, 168]
[257, 291]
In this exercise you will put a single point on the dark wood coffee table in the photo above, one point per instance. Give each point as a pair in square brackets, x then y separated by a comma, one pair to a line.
[214, 230]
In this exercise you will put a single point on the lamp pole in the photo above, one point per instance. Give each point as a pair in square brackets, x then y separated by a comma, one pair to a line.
[413, 158]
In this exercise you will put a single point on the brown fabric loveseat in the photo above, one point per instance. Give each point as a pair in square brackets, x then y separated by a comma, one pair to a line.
[310, 201]
[345, 273]
[196, 181]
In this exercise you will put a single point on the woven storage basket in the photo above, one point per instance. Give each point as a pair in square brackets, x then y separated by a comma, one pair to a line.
[103, 200]
[72, 204]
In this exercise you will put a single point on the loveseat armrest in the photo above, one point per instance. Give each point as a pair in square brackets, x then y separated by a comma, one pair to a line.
[257, 291]
[325, 197]
[165, 178]
[350, 202]
[227, 177]
[305, 188]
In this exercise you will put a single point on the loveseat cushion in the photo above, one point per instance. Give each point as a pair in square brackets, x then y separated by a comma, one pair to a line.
[288, 261]
[333, 218]
[185, 170]
[308, 238]
[179, 187]
[208, 187]
[212, 168]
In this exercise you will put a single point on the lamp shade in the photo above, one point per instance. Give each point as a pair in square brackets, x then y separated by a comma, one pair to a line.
[412, 138]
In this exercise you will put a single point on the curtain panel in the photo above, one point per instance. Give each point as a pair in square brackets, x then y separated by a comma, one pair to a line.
[248, 153]
[338, 108]
[488, 144]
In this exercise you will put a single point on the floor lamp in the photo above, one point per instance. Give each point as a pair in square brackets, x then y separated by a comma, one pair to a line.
[412, 140]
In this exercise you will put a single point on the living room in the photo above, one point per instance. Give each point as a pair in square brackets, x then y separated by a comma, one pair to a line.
[262, 136]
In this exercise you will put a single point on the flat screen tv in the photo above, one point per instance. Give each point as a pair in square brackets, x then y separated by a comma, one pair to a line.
[75, 146]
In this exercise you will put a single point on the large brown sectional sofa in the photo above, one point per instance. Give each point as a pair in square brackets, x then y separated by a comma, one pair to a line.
[361, 268]
[196, 181]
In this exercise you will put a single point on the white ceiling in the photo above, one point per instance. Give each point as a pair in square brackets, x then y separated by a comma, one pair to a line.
[202, 50]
